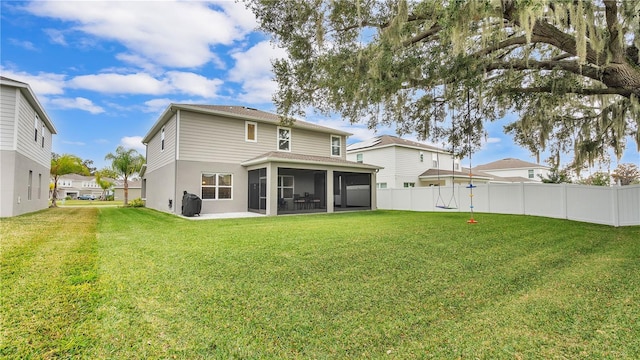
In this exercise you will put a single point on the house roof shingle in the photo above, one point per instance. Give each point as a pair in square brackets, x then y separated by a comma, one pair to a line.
[508, 163]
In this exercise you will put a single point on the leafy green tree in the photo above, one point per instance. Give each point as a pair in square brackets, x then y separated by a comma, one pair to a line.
[568, 69]
[103, 180]
[626, 174]
[126, 163]
[599, 178]
[557, 176]
[62, 165]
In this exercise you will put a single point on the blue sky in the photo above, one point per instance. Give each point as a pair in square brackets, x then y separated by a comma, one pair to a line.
[104, 71]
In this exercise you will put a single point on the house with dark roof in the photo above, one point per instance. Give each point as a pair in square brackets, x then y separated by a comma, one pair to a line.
[239, 159]
[407, 163]
[514, 170]
[26, 134]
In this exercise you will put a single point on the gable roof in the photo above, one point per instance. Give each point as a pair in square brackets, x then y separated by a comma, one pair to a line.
[239, 113]
[26, 91]
[431, 173]
[509, 163]
[390, 140]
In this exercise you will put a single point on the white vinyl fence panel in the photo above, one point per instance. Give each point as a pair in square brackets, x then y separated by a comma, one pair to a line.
[616, 206]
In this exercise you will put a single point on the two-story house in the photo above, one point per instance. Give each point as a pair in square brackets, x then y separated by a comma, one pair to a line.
[514, 170]
[239, 159]
[74, 185]
[26, 133]
[409, 163]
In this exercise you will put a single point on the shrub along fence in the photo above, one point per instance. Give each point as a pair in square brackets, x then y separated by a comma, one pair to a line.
[616, 206]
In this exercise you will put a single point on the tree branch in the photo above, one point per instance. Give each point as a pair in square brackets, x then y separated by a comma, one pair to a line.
[615, 45]
[583, 91]
[570, 66]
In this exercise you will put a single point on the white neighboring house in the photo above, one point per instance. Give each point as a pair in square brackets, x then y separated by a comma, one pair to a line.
[26, 134]
[134, 189]
[74, 185]
[514, 170]
[409, 163]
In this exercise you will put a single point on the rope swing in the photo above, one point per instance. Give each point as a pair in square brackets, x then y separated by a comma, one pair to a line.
[440, 200]
[471, 186]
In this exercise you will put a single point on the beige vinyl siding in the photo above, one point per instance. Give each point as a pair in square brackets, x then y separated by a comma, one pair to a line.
[26, 143]
[209, 138]
[7, 117]
[156, 157]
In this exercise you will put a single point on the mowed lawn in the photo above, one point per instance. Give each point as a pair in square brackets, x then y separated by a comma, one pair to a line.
[124, 283]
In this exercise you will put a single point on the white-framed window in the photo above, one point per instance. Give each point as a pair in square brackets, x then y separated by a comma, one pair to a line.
[457, 166]
[42, 133]
[421, 156]
[217, 186]
[381, 185]
[284, 139]
[250, 131]
[336, 145]
[162, 139]
[409, 184]
[359, 158]
[435, 163]
[285, 187]
[531, 174]
[35, 126]
[39, 186]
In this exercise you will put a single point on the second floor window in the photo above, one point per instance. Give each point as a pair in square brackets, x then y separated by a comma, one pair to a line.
[409, 184]
[284, 139]
[42, 134]
[162, 140]
[359, 158]
[36, 123]
[336, 145]
[531, 174]
[250, 131]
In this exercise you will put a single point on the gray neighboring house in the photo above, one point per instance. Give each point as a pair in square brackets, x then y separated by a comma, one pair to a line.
[26, 134]
[239, 159]
[134, 189]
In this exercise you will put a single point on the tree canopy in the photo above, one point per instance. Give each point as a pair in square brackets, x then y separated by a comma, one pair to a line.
[568, 69]
[125, 162]
[62, 165]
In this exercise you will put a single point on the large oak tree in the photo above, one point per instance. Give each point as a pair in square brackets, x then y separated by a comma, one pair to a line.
[568, 69]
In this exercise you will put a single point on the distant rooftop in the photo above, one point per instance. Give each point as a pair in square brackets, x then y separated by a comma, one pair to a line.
[388, 140]
[508, 163]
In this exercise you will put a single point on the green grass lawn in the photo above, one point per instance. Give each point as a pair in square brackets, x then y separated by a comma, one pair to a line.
[64, 203]
[134, 283]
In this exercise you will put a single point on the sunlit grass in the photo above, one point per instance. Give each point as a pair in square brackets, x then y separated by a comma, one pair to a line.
[368, 285]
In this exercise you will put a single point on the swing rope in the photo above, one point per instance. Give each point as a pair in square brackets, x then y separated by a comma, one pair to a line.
[471, 186]
[440, 198]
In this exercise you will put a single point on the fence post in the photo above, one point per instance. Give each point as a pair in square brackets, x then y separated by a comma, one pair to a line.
[616, 208]
[565, 212]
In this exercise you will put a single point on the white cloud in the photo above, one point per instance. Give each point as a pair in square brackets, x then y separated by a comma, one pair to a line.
[193, 84]
[139, 83]
[169, 33]
[156, 105]
[133, 142]
[142, 83]
[493, 140]
[253, 70]
[42, 83]
[77, 143]
[76, 103]
[56, 36]
[23, 44]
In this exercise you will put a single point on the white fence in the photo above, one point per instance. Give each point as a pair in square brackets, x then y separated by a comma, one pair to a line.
[616, 206]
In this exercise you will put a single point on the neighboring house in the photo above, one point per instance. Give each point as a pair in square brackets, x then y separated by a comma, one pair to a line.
[74, 185]
[514, 170]
[239, 159]
[26, 133]
[408, 163]
[134, 191]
